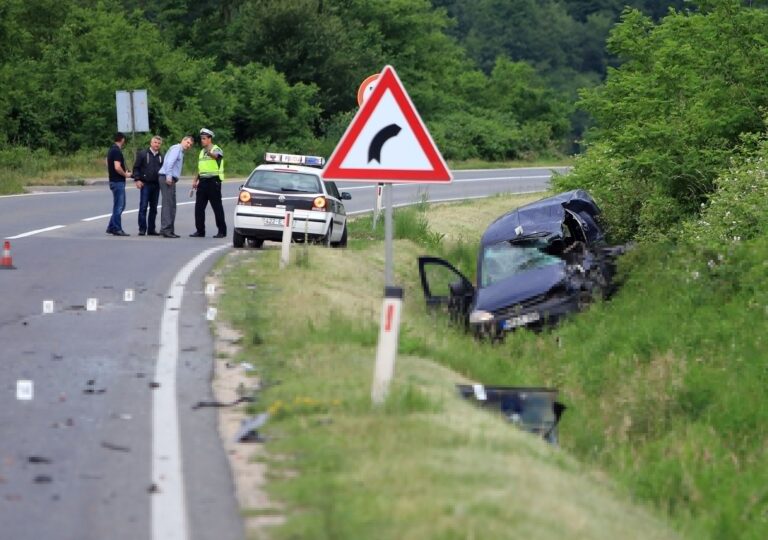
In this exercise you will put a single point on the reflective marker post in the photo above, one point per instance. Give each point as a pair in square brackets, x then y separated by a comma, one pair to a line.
[377, 206]
[386, 353]
[285, 253]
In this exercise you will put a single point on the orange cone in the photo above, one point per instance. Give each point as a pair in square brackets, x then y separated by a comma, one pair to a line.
[7, 262]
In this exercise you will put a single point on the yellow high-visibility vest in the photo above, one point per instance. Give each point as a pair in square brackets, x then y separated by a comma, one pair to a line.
[207, 166]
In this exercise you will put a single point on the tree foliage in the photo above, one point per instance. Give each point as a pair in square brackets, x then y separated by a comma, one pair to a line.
[668, 120]
[287, 71]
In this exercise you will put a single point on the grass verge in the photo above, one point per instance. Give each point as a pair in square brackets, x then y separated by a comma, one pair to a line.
[426, 464]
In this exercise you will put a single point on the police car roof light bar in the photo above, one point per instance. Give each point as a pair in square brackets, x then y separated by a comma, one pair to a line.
[294, 159]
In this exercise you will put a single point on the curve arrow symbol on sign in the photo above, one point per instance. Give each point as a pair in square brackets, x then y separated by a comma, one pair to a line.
[386, 133]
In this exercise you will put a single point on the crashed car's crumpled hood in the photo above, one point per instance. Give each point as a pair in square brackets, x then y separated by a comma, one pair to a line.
[544, 216]
[519, 288]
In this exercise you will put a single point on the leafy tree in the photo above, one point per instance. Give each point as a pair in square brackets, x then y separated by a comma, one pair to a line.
[669, 118]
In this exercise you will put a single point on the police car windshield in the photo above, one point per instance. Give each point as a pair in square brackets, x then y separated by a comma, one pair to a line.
[505, 259]
[284, 182]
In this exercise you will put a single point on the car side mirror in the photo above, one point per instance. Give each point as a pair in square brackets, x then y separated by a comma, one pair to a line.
[346, 196]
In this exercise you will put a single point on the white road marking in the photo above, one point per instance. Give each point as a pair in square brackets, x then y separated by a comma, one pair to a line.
[38, 231]
[454, 181]
[454, 199]
[39, 193]
[169, 513]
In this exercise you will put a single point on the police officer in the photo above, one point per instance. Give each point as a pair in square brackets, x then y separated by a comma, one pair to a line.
[210, 174]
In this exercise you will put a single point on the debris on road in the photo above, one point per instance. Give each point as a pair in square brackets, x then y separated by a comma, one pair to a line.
[243, 399]
[115, 447]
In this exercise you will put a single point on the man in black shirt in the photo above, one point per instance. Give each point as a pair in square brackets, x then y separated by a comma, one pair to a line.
[117, 175]
[145, 175]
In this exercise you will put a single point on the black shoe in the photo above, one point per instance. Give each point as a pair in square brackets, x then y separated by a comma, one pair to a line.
[153, 233]
[168, 235]
[220, 235]
[142, 233]
[110, 231]
[197, 235]
[121, 233]
[174, 235]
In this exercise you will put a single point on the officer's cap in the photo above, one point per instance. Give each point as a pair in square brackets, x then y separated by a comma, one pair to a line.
[206, 131]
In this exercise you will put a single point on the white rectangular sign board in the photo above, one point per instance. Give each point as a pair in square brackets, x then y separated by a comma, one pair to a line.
[132, 111]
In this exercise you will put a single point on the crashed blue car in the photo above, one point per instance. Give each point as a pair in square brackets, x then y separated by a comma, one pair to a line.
[536, 265]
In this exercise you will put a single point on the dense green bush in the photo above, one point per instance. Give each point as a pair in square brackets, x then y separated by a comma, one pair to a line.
[669, 119]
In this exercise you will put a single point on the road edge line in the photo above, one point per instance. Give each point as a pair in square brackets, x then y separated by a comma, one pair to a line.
[168, 508]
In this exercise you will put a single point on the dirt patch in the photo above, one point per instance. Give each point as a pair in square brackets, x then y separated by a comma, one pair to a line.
[247, 460]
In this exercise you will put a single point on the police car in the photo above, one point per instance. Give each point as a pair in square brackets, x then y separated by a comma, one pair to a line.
[289, 181]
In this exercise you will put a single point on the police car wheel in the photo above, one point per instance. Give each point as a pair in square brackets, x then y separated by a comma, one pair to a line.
[328, 235]
[255, 242]
[238, 240]
[343, 241]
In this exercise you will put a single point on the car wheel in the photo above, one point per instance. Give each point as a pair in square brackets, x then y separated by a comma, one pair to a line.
[238, 240]
[328, 235]
[343, 242]
[255, 242]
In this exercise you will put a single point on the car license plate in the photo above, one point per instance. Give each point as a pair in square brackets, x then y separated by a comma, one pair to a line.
[273, 221]
[521, 320]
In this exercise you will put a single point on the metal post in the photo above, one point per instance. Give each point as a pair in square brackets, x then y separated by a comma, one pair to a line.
[389, 276]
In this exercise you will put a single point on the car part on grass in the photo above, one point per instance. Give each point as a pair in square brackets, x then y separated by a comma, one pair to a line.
[535, 410]
[249, 428]
[536, 264]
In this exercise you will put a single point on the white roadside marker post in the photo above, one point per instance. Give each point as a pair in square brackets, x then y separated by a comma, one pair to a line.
[377, 206]
[92, 304]
[285, 252]
[386, 352]
[128, 295]
[47, 307]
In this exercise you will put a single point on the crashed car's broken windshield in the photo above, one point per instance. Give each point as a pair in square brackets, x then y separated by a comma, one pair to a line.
[507, 259]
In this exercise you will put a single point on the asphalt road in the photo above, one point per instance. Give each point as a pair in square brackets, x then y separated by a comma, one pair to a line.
[105, 443]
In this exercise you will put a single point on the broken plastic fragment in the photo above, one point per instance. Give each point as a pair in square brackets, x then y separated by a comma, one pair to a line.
[249, 428]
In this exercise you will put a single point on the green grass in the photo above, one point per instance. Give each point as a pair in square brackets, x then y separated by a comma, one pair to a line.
[426, 464]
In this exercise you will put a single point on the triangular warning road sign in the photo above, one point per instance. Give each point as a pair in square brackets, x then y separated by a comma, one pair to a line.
[387, 141]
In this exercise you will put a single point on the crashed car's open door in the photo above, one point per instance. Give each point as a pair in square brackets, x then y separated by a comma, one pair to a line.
[443, 285]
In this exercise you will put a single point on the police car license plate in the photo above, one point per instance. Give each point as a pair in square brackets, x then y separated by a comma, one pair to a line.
[521, 320]
[273, 221]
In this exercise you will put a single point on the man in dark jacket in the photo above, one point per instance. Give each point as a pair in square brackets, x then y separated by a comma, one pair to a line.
[145, 175]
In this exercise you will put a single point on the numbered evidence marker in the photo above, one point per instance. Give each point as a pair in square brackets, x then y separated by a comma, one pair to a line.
[24, 390]
[128, 295]
[211, 315]
[47, 306]
[210, 289]
[92, 304]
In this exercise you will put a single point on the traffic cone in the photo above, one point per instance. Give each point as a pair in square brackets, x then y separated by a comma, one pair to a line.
[7, 262]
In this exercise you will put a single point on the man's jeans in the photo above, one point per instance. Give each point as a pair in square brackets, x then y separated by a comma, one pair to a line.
[148, 195]
[118, 205]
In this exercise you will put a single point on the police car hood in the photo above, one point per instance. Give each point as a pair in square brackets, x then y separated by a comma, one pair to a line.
[543, 217]
[523, 288]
